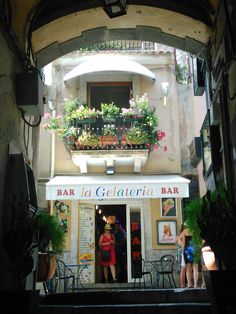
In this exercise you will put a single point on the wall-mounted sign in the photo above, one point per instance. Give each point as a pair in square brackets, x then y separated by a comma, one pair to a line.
[100, 188]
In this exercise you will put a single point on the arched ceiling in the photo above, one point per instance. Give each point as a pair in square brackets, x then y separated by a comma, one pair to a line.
[52, 28]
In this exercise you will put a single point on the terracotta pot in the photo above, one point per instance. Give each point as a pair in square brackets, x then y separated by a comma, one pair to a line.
[209, 258]
[107, 140]
[46, 266]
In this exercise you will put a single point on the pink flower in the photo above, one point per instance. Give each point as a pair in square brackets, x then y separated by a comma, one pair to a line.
[148, 145]
[155, 146]
[47, 115]
[165, 148]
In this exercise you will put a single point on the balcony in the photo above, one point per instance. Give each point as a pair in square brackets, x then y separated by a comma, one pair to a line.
[107, 146]
[109, 137]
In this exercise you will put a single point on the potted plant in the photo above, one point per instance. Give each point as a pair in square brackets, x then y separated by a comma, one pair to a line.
[51, 244]
[136, 135]
[211, 218]
[82, 115]
[109, 112]
[87, 138]
[138, 107]
[69, 136]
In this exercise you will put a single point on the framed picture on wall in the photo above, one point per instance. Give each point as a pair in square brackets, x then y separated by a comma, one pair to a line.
[166, 231]
[168, 207]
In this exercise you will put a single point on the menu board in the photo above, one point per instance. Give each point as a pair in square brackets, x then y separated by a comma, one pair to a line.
[87, 242]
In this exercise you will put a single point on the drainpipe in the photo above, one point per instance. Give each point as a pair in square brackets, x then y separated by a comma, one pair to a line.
[52, 166]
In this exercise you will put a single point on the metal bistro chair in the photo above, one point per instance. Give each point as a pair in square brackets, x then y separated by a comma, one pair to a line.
[64, 274]
[140, 272]
[166, 270]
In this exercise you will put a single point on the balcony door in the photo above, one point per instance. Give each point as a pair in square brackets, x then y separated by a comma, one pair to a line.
[107, 92]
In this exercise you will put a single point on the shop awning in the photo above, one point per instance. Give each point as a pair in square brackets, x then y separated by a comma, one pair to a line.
[116, 187]
[109, 63]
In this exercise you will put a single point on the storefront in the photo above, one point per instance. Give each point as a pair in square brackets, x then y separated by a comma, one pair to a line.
[144, 211]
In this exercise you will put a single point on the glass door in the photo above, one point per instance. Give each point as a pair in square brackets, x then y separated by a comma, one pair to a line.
[135, 239]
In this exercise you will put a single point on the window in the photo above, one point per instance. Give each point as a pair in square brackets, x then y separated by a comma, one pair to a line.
[206, 145]
[108, 92]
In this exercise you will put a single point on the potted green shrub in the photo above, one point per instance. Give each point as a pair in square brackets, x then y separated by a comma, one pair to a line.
[82, 115]
[216, 224]
[87, 139]
[51, 245]
[136, 135]
[109, 112]
[211, 219]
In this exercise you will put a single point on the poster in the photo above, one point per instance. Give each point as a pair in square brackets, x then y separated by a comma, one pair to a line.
[166, 231]
[168, 207]
[87, 242]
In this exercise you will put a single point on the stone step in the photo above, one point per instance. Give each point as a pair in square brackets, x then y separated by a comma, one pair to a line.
[137, 296]
[160, 308]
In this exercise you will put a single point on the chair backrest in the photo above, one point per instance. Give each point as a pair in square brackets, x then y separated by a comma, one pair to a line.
[63, 270]
[167, 263]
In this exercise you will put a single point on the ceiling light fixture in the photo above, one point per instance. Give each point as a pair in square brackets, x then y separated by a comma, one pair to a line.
[115, 8]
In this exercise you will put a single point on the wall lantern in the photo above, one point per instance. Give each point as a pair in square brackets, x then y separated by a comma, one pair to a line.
[114, 8]
[165, 88]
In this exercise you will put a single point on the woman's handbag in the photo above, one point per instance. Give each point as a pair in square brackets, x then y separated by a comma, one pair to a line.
[105, 255]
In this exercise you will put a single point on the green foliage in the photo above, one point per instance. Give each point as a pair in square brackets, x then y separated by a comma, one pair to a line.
[143, 128]
[180, 72]
[136, 135]
[192, 211]
[88, 138]
[109, 111]
[109, 129]
[72, 104]
[51, 234]
[83, 112]
[211, 218]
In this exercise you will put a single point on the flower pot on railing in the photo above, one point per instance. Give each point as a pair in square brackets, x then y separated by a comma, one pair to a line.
[87, 139]
[79, 122]
[109, 119]
[133, 118]
[105, 140]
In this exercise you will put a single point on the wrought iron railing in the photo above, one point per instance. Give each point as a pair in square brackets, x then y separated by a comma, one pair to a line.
[132, 45]
[112, 135]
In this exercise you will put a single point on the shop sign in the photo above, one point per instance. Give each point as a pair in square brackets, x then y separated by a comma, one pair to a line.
[116, 191]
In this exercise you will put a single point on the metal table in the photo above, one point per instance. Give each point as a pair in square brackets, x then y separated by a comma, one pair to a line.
[77, 269]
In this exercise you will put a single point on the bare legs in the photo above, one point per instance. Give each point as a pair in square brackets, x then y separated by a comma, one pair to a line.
[195, 275]
[189, 274]
[193, 267]
[105, 271]
[113, 272]
[182, 276]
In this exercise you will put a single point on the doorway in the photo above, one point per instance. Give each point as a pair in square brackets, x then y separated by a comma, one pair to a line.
[116, 216]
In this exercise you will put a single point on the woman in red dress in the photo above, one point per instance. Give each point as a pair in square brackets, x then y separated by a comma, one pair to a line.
[106, 242]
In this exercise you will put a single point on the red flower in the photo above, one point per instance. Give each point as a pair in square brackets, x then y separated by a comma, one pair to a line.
[160, 135]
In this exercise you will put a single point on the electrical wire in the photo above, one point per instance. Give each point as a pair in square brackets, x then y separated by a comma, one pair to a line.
[28, 123]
